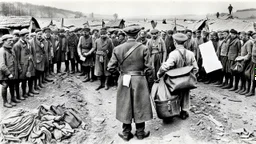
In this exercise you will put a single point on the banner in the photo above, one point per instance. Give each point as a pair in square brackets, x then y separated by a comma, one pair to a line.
[210, 60]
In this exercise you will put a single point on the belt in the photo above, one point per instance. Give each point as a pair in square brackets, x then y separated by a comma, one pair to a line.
[156, 52]
[101, 53]
[134, 73]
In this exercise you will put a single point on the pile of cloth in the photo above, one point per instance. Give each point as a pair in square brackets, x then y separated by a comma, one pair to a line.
[47, 124]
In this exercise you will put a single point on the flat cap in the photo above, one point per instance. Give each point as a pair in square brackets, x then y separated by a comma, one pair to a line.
[16, 32]
[226, 30]
[38, 30]
[72, 29]
[6, 36]
[132, 30]
[95, 30]
[61, 30]
[87, 29]
[180, 37]
[154, 31]
[233, 31]
[46, 28]
[198, 31]
[24, 31]
[253, 34]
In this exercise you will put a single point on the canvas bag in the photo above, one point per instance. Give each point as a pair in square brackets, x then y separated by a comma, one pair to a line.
[238, 67]
[181, 78]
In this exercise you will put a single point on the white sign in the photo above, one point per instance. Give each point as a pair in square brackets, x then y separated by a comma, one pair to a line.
[210, 60]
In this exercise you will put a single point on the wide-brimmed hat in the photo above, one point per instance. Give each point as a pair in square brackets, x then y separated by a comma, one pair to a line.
[180, 37]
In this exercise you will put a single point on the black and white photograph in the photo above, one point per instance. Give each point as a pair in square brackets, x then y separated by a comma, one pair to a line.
[127, 71]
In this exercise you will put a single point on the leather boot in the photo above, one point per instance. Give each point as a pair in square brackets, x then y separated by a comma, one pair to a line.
[145, 135]
[13, 104]
[87, 78]
[107, 83]
[126, 137]
[91, 74]
[48, 80]
[101, 84]
[7, 105]
[252, 90]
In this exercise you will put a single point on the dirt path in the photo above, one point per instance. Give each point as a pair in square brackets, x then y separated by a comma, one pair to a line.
[98, 111]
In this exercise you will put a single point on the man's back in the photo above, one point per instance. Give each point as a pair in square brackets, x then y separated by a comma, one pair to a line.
[136, 61]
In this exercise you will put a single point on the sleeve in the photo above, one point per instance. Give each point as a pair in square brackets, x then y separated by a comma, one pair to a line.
[3, 66]
[164, 51]
[194, 64]
[93, 47]
[249, 51]
[170, 62]
[239, 45]
[113, 63]
[78, 47]
[17, 53]
[110, 49]
[148, 68]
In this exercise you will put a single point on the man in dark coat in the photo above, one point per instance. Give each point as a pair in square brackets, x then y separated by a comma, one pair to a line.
[23, 56]
[169, 42]
[62, 50]
[48, 53]
[230, 8]
[103, 47]
[72, 46]
[38, 46]
[133, 100]
[8, 70]
[234, 50]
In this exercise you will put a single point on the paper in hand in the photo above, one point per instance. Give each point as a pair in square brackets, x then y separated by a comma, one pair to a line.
[127, 80]
[82, 58]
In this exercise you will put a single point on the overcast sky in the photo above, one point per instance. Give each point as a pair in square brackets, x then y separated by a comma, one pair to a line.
[130, 8]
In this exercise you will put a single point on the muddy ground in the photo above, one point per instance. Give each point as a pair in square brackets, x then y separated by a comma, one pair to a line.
[216, 115]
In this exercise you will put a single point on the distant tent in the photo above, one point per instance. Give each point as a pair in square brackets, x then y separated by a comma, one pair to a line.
[17, 22]
[52, 26]
[119, 23]
[239, 25]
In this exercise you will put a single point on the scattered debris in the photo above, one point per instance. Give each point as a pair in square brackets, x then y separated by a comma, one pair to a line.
[234, 100]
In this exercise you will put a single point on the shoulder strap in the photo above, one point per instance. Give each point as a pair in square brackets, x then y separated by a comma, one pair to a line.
[128, 53]
[183, 57]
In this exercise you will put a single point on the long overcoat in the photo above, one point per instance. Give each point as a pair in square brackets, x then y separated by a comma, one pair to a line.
[39, 54]
[132, 102]
[23, 55]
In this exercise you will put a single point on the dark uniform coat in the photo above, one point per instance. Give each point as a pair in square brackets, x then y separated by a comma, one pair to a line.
[72, 46]
[39, 54]
[23, 55]
[62, 49]
[103, 53]
[8, 64]
[132, 102]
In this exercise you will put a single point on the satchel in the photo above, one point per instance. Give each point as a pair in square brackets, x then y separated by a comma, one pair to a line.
[180, 78]
[238, 67]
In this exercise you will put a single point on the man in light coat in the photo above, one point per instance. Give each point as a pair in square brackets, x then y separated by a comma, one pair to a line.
[133, 101]
[175, 60]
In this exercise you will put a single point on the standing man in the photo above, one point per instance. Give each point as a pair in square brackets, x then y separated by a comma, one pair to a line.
[8, 70]
[142, 38]
[56, 45]
[222, 52]
[233, 52]
[175, 60]
[157, 51]
[230, 8]
[104, 47]
[121, 38]
[23, 56]
[198, 41]
[85, 51]
[48, 53]
[72, 45]
[189, 44]
[133, 101]
[245, 58]
[62, 50]
[169, 42]
[38, 46]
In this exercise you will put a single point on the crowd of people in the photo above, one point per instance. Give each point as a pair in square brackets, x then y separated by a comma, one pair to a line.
[28, 59]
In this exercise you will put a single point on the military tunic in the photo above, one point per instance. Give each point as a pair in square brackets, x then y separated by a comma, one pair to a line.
[84, 46]
[103, 53]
